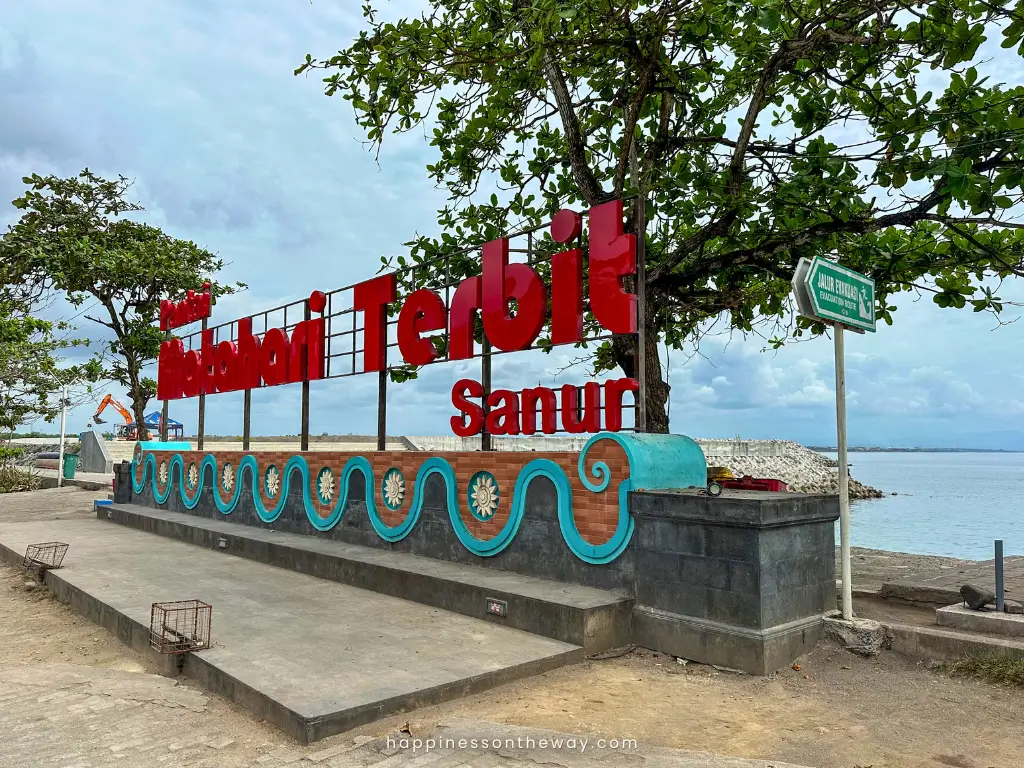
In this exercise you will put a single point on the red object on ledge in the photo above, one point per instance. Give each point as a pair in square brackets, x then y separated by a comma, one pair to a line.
[748, 483]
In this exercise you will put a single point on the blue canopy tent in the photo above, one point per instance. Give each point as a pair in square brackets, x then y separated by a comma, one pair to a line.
[174, 428]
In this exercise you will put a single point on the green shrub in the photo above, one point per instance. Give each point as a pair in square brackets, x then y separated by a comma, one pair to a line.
[14, 479]
[8, 454]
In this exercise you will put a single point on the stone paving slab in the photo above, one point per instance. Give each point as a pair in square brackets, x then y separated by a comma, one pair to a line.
[90, 481]
[944, 586]
[312, 656]
[927, 578]
[71, 716]
[81, 717]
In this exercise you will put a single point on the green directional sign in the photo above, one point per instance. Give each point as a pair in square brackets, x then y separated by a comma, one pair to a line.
[841, 295]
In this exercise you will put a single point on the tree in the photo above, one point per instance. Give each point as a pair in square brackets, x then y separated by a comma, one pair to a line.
[758, 132]
[70, 238]
[31, 370]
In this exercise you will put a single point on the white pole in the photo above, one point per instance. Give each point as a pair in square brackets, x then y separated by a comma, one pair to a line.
[63, 421]
[844, 477]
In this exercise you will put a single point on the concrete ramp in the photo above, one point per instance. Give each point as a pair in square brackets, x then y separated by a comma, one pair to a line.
[95, 454]
[313, 657]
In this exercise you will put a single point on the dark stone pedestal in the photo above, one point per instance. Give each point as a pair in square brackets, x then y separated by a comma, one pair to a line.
[741, 581]
[123, 483]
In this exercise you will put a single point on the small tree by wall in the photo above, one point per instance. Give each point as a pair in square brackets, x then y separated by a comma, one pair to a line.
[71, 238]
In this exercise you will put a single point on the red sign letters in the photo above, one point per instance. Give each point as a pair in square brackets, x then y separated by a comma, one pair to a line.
[275, 358]
[194, 307]
[612, 257]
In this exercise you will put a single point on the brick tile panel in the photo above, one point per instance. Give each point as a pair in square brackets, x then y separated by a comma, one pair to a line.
[596, 514]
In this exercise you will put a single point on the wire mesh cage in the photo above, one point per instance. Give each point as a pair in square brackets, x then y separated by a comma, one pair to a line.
[45, 556]
[180, 626]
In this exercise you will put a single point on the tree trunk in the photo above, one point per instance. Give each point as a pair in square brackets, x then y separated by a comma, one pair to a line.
[657, 389]
[140, 398]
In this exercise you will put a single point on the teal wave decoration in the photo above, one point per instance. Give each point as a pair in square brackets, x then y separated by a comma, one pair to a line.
[652, 459]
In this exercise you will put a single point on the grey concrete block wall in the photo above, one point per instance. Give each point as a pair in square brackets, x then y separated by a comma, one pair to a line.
[741, 580]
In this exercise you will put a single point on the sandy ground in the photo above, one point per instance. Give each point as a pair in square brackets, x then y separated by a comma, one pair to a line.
[837, 711]
[67, 503]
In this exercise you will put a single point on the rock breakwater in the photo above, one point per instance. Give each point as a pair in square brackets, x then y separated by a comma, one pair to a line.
[802, 469]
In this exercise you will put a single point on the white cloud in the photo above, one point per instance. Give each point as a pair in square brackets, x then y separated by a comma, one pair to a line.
[197, 103]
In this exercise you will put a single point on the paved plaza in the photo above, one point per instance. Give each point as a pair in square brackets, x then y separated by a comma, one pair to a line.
[69, 716]
[928, 578]
[114, 712]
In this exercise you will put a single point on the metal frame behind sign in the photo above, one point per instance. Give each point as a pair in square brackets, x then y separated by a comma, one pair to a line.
[803, 300]
[344, 331]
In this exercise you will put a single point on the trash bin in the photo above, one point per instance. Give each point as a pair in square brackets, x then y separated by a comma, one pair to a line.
[70, 465]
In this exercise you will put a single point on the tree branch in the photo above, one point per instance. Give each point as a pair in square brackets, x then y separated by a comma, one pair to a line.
[590, 188]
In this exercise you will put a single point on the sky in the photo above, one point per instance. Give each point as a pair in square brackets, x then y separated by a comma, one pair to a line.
[196, 102]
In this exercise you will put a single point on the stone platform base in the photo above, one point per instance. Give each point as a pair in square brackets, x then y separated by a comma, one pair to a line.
[313, 657]
[754, 651]
[990, 621]
[595, 619]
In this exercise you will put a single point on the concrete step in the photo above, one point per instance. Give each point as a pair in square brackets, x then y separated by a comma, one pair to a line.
[595, 619]
[121, 450]
[941, 643]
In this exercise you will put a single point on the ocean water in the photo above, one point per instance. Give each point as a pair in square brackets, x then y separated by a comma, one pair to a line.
[951, 504]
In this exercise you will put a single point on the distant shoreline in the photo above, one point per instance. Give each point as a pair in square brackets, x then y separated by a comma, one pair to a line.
[870, 449]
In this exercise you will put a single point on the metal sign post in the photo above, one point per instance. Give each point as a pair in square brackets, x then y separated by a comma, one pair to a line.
[844, 473]
[63, 422]
[826, 291]
[140, 429]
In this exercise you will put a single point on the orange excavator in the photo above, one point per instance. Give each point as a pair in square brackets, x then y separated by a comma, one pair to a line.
[124, 431]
